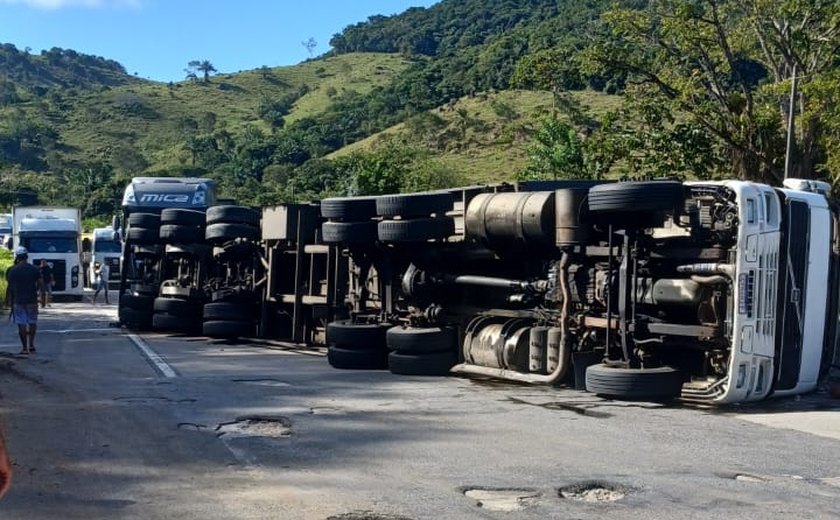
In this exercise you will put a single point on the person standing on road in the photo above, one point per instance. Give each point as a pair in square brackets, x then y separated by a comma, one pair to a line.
[47, 282]
[24, 282]
[102, 275]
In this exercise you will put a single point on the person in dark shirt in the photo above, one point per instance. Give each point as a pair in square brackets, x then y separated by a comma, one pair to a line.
[47, 282]
[24, 282]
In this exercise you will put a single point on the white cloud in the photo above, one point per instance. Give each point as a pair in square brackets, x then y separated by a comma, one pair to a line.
[59, 4]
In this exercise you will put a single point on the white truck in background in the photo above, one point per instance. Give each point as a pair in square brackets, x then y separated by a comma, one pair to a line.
[54, 235]
[105, 248]
[5, 228]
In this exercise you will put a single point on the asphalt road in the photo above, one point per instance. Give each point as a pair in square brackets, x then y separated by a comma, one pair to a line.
[257, 430]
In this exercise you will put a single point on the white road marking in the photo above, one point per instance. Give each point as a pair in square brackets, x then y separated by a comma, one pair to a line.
[67, 331]
[153, 356]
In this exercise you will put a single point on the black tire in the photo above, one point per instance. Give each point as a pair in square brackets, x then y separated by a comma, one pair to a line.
[356, 336]
[357, 359]
[176, 234]
[137, 301]
[182, 217]
[228, 329]
[140, 235]
[410, 340]
[177, 307]
[661, 383]
[172, 323]
[349, 232]
[349, 208]
[414, 204]
[435, 364]
[135, 318]
[227, 232]
[636, 197]
[416, 230]
[233, 215]
[228, 312]
[144, 220]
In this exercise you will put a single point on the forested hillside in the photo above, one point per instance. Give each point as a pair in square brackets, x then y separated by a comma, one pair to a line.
[462, 91]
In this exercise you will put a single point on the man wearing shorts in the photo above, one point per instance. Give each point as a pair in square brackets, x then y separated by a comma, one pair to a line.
[24, 282]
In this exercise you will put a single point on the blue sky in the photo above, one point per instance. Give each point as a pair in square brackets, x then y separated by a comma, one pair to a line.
[156, 38]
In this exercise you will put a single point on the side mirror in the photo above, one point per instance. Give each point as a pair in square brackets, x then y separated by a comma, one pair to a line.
[115, 223]
[9, 243]
[86, 245]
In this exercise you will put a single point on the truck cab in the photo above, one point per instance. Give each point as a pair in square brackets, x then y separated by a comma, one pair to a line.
[54, 235]
[105, 248]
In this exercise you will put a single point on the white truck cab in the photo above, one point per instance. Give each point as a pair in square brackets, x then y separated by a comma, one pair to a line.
[105, 248]
[54, 235]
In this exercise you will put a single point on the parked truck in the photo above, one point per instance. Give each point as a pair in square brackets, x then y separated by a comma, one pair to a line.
[105, 249]
[718, 292]
[54, 235]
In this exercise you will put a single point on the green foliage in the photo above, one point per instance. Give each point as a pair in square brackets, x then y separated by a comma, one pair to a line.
[724, 65]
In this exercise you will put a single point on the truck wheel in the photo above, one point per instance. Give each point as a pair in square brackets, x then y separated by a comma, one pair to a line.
[144, 220]
[228, 232]
[172, 233]
[636, 197]
[349, 209]
[349, 232]
[228, 312]
[177, 307]
[414, 204]
[435, 364]
[140, 235]
[173, 323]
[137, 301]
[416, 229]
[182, 217]
[356, 336]
[228, 329]
[661, 383]
[233, 215]
[410, 340]
[357, 359]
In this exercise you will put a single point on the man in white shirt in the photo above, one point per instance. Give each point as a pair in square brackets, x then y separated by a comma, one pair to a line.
[102, 275]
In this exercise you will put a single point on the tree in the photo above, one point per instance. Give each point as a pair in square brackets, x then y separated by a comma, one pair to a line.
[204, 67]
[727, 65]
[310, 46]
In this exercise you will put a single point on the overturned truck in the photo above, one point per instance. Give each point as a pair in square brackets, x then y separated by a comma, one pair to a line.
[714, 291]
[719, 292]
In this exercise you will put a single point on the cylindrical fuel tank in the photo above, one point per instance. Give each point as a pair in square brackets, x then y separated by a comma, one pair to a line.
[538, 350]
[517, 218]
[497, 343]
[571, 212]
[553, 337]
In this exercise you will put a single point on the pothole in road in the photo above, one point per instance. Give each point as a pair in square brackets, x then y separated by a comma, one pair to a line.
[256, 426]
[262, 382]
[501, 499]
[593, 491]
[366, 515]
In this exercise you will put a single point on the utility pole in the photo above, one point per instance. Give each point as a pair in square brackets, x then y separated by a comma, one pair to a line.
[791, 126]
